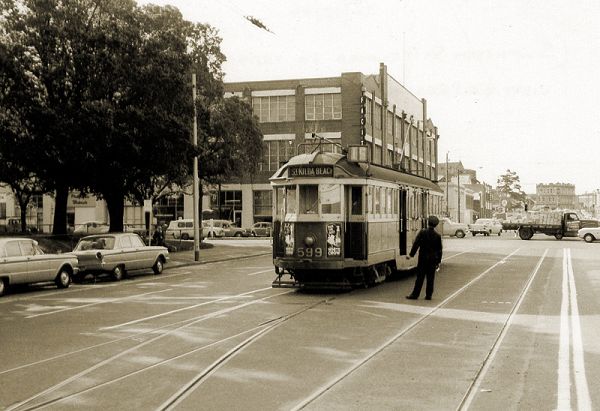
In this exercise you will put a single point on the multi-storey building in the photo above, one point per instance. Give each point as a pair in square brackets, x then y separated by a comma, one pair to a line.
[590, 203]
[556, 196]
[354, 108]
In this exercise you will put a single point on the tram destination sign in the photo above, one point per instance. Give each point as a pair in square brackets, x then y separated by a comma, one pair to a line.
[311, 170]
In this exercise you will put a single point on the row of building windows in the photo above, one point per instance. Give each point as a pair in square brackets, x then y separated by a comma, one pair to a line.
[274, 109]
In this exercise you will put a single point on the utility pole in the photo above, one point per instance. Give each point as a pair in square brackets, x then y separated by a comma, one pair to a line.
[447, 198]
[196, 179]
[458, 190]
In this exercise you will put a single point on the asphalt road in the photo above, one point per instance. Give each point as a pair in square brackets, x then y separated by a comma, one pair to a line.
[513, 325]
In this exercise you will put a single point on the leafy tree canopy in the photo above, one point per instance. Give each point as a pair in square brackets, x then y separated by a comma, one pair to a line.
[510, 186]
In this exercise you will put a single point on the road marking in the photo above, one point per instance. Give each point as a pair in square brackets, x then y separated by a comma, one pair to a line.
[229, 297]
[263, 271]
[584, 401]
[564, 376]
[111, 300]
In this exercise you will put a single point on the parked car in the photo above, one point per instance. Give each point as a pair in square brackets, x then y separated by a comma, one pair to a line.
[118, 253]
[589, 234]
[451, 228]
[486, 226]
[22, 261]
[229, 229]
[261, 229]
[91, 227]
[211, 230]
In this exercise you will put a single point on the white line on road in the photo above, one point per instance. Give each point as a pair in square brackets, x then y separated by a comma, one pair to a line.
[584, 401]
[107, 301]
[229, 297]
[262, 271]
[564, 375]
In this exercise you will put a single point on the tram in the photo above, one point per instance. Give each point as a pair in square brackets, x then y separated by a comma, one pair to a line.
[342, 223]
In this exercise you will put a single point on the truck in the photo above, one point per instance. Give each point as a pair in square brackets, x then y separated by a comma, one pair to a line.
[554, 223]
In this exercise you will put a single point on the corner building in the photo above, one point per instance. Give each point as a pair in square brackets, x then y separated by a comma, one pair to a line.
[354, 108]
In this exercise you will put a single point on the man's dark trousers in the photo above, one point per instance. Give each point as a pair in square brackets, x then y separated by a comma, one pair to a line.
[422, 272]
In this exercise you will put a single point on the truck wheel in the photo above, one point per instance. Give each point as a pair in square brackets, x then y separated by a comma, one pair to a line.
[3, 286]
[525, 233]
[558, 236]
[460, 233]
[588, 238]
[474, 233]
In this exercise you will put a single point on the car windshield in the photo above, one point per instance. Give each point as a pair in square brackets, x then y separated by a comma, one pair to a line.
[96, 243]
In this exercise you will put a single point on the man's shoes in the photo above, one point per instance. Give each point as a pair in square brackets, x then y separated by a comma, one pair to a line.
[411, 297]
[428, 298]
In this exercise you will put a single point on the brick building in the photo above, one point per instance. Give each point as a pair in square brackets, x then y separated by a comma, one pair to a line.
[354, 108]
[559, 196]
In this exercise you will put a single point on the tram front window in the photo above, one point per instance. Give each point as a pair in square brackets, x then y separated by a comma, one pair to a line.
[309, 199]
[331, 201]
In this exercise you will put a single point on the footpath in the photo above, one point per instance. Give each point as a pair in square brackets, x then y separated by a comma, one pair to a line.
[220, 250]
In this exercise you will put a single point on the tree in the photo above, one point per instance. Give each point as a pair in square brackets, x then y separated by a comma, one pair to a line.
[508, 184]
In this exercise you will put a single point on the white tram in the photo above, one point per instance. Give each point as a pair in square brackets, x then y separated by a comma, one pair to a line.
[339, 223]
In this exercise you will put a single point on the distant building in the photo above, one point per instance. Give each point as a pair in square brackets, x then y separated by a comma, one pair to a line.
[590, 203]
[556, 196]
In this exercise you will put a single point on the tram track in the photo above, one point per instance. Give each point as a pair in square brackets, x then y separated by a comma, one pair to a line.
[178, 326]
[396, 337]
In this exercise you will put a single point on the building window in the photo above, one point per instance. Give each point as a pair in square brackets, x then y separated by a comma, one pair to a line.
[274, 109]
[2, 210]
[323, 106]
[263, 204]
[377, 116]
[276, 153]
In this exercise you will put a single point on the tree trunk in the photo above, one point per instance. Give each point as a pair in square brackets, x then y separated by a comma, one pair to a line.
[116, 205]
[23, 206]
[59, 226]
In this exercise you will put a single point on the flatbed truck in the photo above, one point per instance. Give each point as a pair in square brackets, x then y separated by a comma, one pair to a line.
[553, 223]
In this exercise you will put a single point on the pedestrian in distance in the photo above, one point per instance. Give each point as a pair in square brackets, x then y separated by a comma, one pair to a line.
[429, 244]
[158, 238]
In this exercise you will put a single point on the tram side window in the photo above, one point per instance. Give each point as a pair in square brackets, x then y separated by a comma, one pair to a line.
[331, 198]
[356, 193]
[309, 199]
[388, 203]
[369, 200]
[377, 201]
[290, 200]
[279, 203]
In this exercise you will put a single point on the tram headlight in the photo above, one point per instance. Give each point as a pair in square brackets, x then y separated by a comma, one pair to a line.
[309, 241]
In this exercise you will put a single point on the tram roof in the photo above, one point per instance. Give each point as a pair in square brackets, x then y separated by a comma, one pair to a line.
[344, 168]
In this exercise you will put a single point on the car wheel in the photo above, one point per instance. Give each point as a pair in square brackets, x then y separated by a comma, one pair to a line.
[238, 234]
[460, 233]
[185, 236]
[63, 279]
[3, 286]
[158, 266]
[588, 238]
[118, 273]
[474, 234]
[499, 232]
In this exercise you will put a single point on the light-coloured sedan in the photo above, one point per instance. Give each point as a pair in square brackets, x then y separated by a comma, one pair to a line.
[589, 234]
[22, 261]
[118, 253]
[451, 228]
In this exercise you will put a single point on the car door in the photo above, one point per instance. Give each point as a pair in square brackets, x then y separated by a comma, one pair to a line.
[227, 229]
[41, 267]
[143, 256]
[14, 264]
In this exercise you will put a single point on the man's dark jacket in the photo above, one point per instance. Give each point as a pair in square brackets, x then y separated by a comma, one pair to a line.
[429, 244]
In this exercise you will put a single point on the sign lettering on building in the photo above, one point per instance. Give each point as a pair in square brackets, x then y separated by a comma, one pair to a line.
[311, 170]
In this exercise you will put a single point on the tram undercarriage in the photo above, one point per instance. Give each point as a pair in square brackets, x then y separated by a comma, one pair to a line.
[348, 278]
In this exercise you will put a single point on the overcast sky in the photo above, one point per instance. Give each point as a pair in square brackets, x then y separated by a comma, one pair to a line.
[511, 84]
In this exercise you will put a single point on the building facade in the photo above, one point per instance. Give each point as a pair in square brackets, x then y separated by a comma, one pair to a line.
[556, 196]
[352, 109]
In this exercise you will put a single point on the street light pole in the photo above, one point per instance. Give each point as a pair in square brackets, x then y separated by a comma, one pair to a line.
[458, 191]
[196, 179]
[447, 198]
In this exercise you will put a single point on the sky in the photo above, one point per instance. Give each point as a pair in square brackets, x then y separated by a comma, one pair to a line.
[511, 85]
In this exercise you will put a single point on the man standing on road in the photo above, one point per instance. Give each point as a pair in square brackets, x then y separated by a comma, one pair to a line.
[429, 244]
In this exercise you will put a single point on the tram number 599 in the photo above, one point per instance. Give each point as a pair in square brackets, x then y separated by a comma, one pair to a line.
[309, 252]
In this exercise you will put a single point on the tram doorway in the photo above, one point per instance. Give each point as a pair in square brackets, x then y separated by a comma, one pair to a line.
[403, 232]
